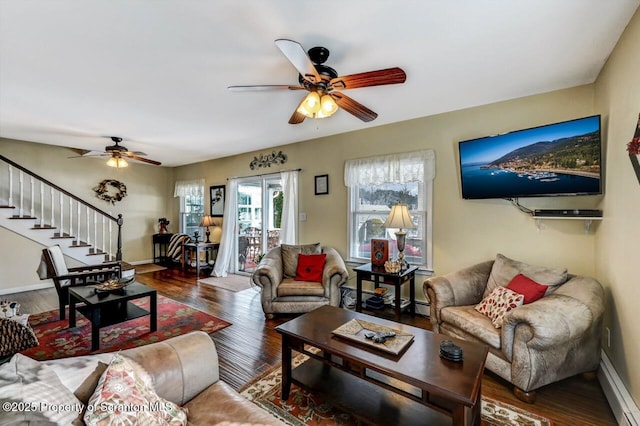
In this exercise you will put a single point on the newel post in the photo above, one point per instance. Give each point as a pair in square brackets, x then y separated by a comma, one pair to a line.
[120, 221]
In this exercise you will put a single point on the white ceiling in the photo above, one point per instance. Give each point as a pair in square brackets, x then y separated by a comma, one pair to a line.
[155, 72]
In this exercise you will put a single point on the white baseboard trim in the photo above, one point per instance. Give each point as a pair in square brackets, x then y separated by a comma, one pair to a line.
[140, 262]
[622, 404]
[30, 287]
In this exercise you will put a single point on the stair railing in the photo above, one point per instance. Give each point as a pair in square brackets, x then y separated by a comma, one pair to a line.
[82, 221]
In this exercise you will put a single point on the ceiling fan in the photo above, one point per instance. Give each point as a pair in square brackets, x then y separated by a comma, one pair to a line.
[322, 83]
[118, 155]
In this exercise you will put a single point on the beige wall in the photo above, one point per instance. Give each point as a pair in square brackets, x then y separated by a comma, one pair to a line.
[618, 239]
[465, 232]
[146, 201]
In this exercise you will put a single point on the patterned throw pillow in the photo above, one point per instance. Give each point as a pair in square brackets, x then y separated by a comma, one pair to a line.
[15, 337]
[498, 303]
[31, 393]
[290, 254]
[125, 396]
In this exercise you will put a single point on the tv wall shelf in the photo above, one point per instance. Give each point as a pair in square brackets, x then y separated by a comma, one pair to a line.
[588, 220]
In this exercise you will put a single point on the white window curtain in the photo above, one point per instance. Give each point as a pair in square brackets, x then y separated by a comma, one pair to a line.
[184, 188]
[224, 261]
[289, 220]
[400, 168]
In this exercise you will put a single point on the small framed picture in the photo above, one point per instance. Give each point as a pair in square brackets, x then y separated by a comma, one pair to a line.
[217, 200]
[322, 184]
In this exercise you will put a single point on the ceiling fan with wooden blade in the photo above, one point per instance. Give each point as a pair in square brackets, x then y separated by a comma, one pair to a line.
[118, 153]
[322, 82]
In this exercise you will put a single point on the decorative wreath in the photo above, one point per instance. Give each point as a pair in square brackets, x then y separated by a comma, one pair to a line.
[119, 190]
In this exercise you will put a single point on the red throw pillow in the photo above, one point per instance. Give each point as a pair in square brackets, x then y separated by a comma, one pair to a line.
[310, 267]
[527, 287]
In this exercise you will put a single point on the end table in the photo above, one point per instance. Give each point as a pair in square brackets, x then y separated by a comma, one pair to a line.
[378, 275]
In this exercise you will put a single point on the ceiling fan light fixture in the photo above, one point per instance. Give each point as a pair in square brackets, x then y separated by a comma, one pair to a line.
[312, 102]
[117, 162]
[328, 106]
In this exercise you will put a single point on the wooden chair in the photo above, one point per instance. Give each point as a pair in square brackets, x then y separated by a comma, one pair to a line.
[64, 277]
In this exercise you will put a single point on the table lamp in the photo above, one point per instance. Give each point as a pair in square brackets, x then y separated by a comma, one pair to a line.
[207, 221]
[400, 218]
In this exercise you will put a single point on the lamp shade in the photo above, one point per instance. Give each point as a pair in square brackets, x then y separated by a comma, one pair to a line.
[399, 218]
[207, 221]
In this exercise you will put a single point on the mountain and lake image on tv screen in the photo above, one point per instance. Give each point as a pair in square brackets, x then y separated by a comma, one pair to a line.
[556, 159]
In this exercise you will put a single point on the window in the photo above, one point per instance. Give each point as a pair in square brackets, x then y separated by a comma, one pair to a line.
[377, 183]
[191, 211]
[191, 195]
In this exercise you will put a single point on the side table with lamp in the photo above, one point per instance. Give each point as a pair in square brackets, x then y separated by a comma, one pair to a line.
[400, 271]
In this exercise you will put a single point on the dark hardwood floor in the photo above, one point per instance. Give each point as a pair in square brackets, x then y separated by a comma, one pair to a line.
[250, 347]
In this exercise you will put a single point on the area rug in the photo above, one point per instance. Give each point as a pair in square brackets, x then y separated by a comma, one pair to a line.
[148, 267]
[231, 282]
[304, 408]
[57, 340]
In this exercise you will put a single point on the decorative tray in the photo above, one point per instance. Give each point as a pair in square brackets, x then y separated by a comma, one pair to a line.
[113, 285]
[356, 329]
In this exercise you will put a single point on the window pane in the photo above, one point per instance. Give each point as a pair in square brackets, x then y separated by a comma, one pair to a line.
[371, 206]
[371, 226]
[382, 197]
[191, 214]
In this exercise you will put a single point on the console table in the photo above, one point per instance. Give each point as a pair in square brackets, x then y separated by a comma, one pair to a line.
[160, 245]
[378, 275]
[196, 249]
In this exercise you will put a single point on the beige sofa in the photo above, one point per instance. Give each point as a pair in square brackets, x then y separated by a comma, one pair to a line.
[281, 294]
[550, 339]
[183, 369]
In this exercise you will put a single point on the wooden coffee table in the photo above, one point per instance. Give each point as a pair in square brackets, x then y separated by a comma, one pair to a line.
[109, 308]
[415, 387]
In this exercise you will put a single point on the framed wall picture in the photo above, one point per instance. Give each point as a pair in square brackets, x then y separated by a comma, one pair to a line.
[322, 184]
[217, 200]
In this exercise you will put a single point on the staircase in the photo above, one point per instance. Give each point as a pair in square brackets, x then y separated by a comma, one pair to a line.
[47, 214]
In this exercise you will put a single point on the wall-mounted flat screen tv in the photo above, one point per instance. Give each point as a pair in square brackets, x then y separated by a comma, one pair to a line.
[556, 159]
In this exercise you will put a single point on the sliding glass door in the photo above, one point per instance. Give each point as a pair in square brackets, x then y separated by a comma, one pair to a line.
[259, 214]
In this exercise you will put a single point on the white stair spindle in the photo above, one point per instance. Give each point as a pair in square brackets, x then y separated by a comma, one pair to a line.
[88, 227]
[41, 204]
[110, 224]
[70, 216]
[61, 216]
[10, 186]
[21, 177]
[95, 231]
[32, 211]
[103, 226]
[78, 232]
[53, 220]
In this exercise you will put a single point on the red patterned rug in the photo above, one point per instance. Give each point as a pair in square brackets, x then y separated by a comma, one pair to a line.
[307, 409]
[57, 340]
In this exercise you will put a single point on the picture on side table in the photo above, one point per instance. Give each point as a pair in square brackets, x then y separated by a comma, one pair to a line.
[217, 200]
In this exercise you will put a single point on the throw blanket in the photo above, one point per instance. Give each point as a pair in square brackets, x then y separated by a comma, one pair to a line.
[174, 251]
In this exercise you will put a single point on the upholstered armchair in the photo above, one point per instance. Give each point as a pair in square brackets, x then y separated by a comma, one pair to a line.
[547, 340]
[282, 293]
[63, 277]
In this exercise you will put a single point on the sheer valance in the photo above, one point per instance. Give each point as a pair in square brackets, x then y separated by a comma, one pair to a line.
[416, 166]
[193, 188]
